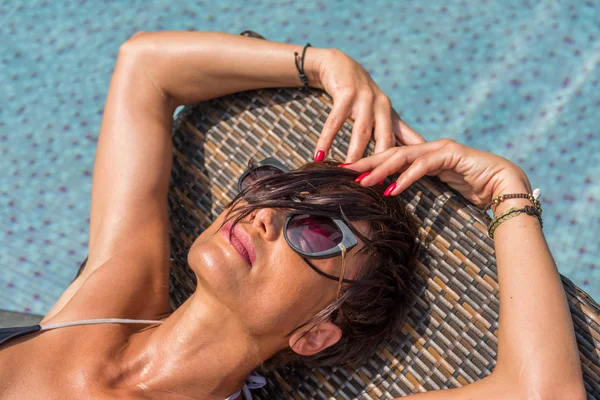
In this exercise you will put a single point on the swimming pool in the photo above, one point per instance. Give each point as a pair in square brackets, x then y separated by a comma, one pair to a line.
[516, 78]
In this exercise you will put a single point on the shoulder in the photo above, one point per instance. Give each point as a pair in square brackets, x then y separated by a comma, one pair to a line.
[125, 286]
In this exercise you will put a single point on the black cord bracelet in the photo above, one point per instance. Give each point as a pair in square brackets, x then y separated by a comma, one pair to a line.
[300, 68]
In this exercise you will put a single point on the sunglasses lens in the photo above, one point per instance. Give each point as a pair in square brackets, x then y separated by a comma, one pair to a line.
[259, 173]
[313, 234]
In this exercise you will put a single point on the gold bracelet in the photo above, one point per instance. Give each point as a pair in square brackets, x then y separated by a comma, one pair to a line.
[513, 212]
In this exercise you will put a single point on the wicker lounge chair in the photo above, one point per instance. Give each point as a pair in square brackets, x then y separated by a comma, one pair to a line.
[449, 339]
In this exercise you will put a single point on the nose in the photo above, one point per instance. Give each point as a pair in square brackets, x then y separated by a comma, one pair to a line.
[266, 222]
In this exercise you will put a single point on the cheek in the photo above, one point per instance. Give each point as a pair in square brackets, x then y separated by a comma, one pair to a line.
[287, 297]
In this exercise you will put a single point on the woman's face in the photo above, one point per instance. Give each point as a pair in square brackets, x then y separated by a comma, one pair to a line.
[279, 291]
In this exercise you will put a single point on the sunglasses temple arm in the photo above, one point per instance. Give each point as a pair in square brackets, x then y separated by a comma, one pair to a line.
[341, 279]
[318, 271]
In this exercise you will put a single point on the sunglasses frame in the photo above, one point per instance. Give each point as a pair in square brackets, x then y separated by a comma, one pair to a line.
[348, 239]
[267, 162]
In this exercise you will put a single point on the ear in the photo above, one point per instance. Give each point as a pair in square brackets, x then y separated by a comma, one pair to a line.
[307, 343]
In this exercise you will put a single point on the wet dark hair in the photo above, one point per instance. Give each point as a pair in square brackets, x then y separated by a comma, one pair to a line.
[371, 311]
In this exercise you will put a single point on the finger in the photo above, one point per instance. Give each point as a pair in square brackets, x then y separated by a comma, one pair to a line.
[335, 120]
[404, 133]
[404, 157]
[370, 162]
[384, 135]
[388, 162]
[434, 161]
[361, 131]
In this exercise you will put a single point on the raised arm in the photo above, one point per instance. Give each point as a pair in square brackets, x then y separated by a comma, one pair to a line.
[537, 351]
[537, 348]
[190, 67]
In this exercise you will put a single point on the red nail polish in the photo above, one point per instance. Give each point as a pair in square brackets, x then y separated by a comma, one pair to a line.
[362, 176]
[344, 165]
[381, 182]
[390, 189]
[320, 155]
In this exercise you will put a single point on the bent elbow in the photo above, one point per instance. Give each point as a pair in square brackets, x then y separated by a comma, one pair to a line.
[135, 43]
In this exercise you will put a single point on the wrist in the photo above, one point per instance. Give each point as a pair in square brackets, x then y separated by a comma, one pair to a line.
[510, 203]
[514, 183]
[313, 64]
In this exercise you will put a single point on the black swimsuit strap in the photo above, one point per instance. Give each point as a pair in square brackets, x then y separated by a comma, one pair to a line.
[13, 332]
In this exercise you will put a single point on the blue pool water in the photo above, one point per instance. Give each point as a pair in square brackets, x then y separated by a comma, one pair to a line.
[518, 78]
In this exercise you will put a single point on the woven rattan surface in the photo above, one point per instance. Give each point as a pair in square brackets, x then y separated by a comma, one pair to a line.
[449, 339]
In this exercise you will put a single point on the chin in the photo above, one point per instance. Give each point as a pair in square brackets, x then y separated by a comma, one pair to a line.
[213, 267]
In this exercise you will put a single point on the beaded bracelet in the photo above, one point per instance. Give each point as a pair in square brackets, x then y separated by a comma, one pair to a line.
[513, 212]
[533, 197]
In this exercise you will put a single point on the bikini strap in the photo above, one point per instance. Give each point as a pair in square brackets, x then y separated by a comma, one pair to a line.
[99, 321]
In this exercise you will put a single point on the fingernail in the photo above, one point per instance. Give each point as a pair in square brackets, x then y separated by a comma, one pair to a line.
[320, 155]
[381, 182]
[344, 165]
[390, 189]
[362, 176]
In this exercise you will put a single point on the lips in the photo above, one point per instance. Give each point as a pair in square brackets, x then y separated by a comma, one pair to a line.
[241, 242]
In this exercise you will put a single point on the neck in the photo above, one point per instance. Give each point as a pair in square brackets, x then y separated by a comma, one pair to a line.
[200, 351]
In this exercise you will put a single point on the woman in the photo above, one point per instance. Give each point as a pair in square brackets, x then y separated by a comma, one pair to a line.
[256, 299]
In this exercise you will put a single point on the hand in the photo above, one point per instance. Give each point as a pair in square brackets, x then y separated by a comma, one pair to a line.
[355, 95]
[478, 175]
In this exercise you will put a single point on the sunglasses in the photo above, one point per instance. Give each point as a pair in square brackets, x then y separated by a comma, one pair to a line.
[311, 236]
